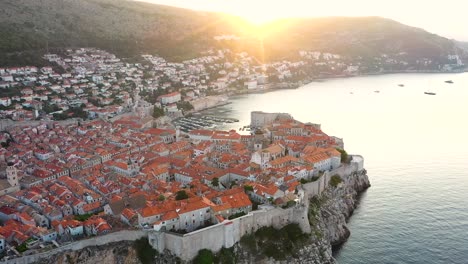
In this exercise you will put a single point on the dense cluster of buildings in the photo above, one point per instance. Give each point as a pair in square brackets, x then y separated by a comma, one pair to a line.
[63, 182]
[92, 83]
[329, 64]
[88, 80]
[89, 83]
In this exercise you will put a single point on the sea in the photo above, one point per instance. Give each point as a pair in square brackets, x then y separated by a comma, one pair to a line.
[415, 147]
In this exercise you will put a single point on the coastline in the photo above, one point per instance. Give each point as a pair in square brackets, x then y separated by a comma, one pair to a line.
[277, 87]
[296, 85]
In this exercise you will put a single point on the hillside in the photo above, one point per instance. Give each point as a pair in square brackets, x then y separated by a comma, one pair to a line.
[362, 36]
[31, 27]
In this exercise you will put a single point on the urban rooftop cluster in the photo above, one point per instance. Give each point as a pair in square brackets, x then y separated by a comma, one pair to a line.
[62, 182]
[89, 83]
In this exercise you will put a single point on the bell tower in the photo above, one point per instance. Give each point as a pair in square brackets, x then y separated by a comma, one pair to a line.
[12, 174]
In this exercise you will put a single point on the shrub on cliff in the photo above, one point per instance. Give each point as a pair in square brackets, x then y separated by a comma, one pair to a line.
[249, 242]
[145, 252]
[272, 250]
[293, 232]
[335, 180]
[204, 256]
[275, 243]
[225, 256]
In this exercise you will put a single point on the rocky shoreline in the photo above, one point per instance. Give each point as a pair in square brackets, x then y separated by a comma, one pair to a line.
[328, 216]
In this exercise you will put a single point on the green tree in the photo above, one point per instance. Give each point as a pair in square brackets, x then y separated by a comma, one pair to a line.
[184, 106]
[215, 182]
[158, 112]
[161, 197]
[344, 155]
[147, 75]
[181, 195]
[248, 188]
[49, 108]
[117, 101]
[59, 116]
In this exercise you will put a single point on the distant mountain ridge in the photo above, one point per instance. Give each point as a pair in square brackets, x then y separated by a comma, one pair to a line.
[29, 27]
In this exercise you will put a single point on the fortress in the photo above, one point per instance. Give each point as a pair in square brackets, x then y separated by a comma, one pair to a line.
[229, 232]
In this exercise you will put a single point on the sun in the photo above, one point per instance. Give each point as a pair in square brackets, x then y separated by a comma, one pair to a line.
[258, 19]
[257, 12]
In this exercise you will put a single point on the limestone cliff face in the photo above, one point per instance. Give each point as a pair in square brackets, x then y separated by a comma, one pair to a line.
[318, 250]
[328, 215]
[338, 205]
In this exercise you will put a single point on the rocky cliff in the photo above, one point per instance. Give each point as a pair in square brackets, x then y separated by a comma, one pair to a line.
[328, 214]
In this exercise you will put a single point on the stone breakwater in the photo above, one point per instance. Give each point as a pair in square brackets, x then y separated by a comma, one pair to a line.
[323, 214]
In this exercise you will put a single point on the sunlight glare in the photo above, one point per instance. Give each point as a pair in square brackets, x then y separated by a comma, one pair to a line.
[258, 12]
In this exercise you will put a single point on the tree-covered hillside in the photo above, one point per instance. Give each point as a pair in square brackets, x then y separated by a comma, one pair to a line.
[29, 28]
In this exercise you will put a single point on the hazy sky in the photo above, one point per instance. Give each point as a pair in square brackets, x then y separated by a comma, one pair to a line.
[448, 18]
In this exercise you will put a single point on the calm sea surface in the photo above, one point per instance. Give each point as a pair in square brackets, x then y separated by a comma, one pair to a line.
[416, 153]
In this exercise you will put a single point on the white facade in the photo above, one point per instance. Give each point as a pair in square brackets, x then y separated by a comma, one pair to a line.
[75, 231]
[7, 78]
[193, 219]
[327, 164]
[49, 236]
[182, 178]
[170, 98]
[251, 84]
[12, 176]
[42, 155]
[194, 137]
[5, 101]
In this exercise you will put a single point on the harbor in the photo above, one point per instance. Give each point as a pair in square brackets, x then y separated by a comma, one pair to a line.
[186, 124]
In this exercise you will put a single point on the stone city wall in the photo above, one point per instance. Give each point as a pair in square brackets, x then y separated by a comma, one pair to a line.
[125, 235]
[229, 232]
